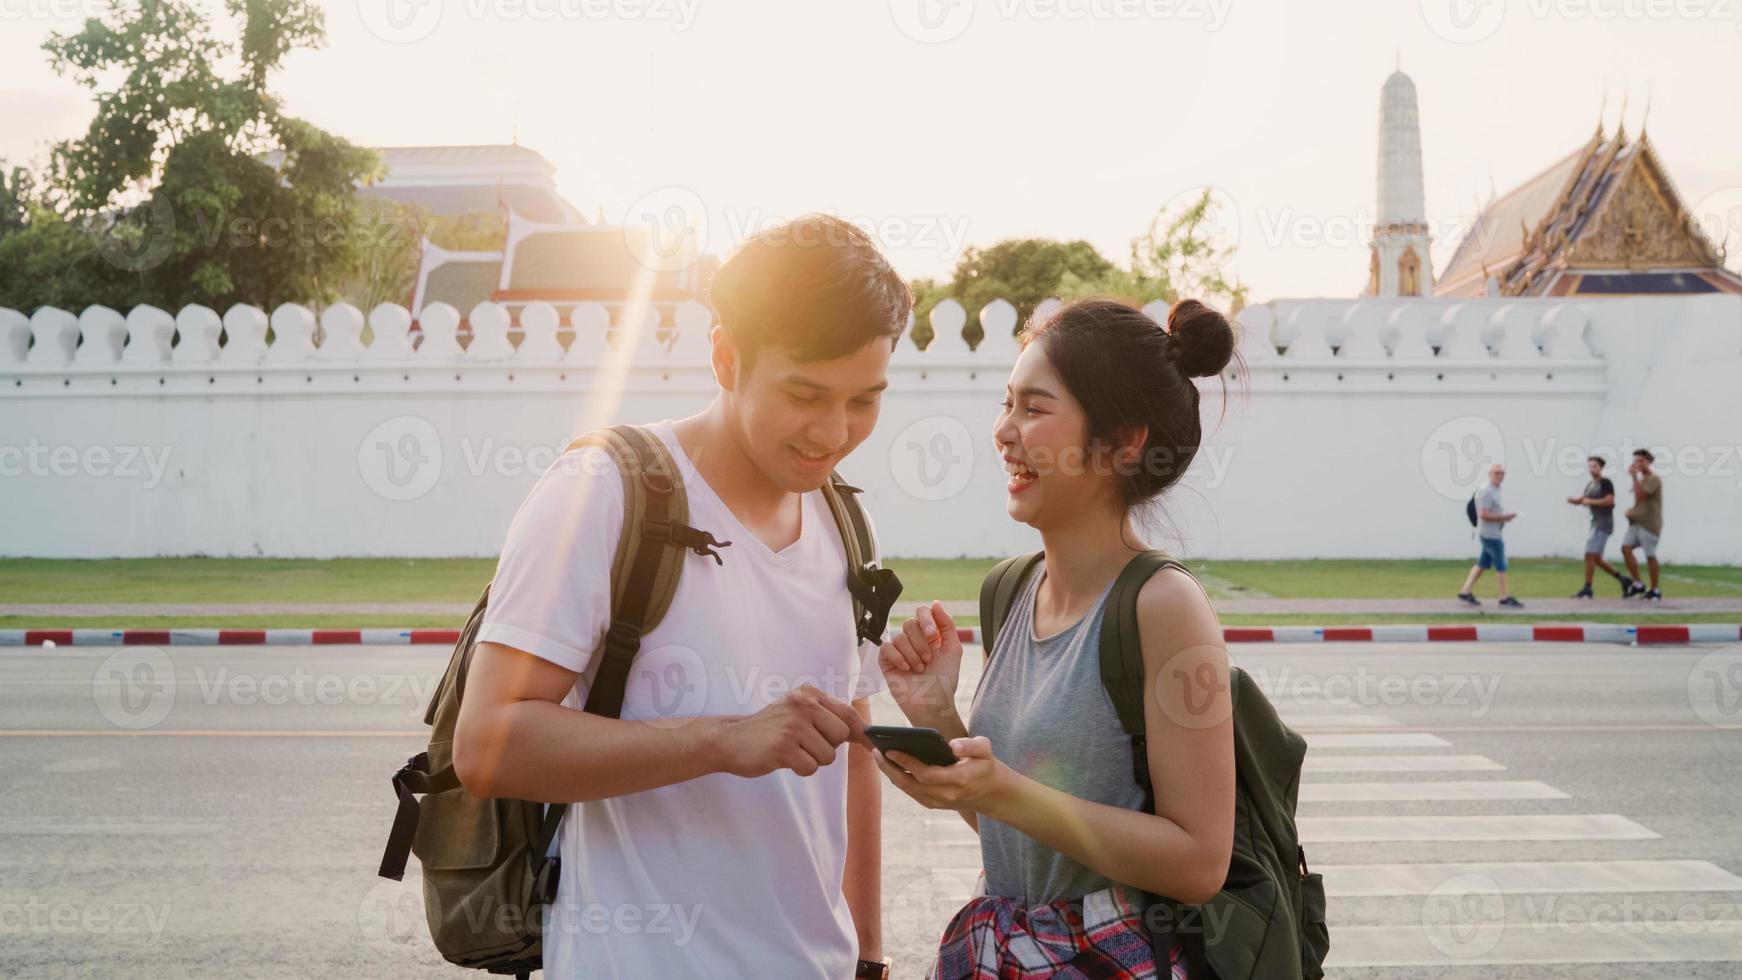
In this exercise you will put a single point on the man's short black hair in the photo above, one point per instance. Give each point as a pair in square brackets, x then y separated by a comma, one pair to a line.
[816, 287]
[1645, 454]
[1600, 461]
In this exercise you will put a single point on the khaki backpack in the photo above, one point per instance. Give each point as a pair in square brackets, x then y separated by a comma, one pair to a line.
[1271, 909]
[488, 874]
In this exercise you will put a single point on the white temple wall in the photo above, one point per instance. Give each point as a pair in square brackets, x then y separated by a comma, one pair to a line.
[1356, 441]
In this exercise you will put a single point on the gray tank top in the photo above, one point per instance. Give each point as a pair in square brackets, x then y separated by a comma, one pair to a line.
[1042, 705]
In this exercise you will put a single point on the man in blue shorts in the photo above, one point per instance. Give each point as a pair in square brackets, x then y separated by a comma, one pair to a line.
[1491, 523]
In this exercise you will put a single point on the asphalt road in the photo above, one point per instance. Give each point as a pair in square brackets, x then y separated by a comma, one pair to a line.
[1478, 811]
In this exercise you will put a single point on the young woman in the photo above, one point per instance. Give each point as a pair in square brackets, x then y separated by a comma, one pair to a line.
[1100, 418]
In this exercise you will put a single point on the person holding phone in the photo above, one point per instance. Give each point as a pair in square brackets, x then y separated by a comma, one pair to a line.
[1100, 419]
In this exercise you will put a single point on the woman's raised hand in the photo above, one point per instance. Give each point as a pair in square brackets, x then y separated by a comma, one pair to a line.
[922, 664]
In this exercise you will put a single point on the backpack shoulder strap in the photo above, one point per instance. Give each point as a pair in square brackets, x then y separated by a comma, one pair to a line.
[998, 591]
[1121, 647]
[874, 588]
[644, 571]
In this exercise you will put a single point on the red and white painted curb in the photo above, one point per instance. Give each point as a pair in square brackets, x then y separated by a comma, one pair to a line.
[1643, 635]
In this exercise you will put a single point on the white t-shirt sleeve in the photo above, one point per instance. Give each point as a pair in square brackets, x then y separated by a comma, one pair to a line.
[868, 681]
[552, 592]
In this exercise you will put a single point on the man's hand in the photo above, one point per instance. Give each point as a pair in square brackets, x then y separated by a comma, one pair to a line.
[799, 732]
[1575, 500]
[922, 665]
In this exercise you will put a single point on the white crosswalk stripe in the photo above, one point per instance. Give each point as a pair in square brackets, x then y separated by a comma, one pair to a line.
[1530, 877]
[1497, 789]
[1377, 740]
[1492, 913]
[1506, 943]
[1317, 762]
[1306, 722]
[1480, 827]
[1406, 802]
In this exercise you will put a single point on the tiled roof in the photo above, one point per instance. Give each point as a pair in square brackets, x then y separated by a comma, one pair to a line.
[1602, 220]
[537, 203]
[1497, 235]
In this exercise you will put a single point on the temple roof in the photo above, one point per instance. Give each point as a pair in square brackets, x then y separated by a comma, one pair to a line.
[1605, 219]
[557, 262]
[451, 180]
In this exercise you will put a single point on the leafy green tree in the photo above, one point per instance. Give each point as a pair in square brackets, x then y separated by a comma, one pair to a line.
[1024, 271]
[17, 191]
[1178, 257]
[50, 261]
[389, 246]
[192, 179]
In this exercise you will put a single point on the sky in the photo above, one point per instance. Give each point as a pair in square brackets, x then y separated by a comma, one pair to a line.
[940, 124]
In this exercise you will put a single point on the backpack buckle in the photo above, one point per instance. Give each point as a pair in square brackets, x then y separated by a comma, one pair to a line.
[876, 589]
[622, 636]
[701, 542]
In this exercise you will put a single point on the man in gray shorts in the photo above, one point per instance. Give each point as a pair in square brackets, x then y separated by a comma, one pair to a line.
[1599, 495]
[1644, 522]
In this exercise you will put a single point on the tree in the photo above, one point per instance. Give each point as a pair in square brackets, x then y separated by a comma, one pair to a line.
[50, 261]
[195, 181]
[17, 191]
[389, 246]
[1024, 271]
[1178, 257]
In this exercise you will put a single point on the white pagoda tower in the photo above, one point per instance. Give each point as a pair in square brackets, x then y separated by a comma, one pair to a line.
[1401, 264]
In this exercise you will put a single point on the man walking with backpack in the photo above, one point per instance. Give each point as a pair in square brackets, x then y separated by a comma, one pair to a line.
[717, 797]
[1491, 524]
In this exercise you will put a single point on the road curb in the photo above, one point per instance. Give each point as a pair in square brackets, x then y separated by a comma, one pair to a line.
[1642, 635]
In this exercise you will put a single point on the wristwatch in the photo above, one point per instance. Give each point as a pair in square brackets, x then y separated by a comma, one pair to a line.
[872, 969]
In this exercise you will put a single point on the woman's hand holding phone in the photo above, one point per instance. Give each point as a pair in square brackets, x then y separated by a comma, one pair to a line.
[976, 783]
[922, 665]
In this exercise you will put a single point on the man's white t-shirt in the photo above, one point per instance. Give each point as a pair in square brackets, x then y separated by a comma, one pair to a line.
[720, 876]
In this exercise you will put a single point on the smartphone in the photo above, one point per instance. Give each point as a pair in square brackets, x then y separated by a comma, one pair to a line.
[924, 744]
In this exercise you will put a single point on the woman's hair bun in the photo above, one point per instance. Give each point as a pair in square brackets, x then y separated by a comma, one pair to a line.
[1202, 339]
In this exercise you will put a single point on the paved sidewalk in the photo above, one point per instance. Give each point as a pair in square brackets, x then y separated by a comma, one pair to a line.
[957, 607]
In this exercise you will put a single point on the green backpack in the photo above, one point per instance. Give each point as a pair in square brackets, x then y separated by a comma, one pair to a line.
[1273, 907]
[488, 873]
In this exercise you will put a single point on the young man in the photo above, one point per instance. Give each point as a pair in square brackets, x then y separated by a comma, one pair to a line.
[718, 808]
[1644, 523]
[1492, 520]
[1599, 495]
